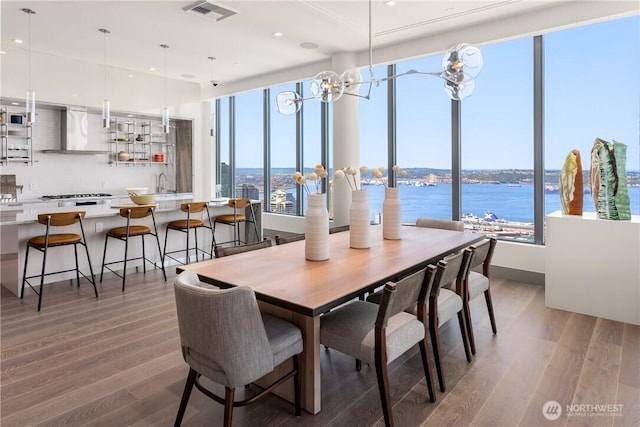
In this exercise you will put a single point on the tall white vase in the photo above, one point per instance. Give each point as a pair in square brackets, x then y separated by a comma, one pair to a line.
[391, 214]
[316, 228]
[359, 220]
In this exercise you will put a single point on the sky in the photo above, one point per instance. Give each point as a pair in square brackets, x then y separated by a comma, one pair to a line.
[591, 90]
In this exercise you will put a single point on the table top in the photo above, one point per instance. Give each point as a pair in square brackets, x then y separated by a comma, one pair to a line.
[282, 276]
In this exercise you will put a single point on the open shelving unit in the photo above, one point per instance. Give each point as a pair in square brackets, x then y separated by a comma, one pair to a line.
[16, 137]
[137, 142]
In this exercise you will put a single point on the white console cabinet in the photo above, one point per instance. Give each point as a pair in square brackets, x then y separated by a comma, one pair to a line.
[593, 266]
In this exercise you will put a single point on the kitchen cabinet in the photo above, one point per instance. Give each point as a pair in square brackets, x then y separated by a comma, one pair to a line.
[15, 137]
[139, 142]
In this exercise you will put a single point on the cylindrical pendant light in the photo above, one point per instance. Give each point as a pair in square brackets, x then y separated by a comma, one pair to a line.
[106, 104]
[30, 99]
[165, 109]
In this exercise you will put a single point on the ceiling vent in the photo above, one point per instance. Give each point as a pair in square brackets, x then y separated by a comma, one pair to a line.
[210, 10]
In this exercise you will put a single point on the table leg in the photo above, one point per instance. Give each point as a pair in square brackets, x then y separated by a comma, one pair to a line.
[310, 360]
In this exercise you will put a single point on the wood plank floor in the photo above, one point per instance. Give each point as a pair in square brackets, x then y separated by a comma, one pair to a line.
[115, 361]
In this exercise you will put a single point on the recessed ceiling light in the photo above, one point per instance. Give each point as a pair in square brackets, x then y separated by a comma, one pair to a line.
[187, 76]
[15, 103]
[129, 115]
[18, 41]
[308, 45]
[130, 75]
[2, 52]
[390, 2]
[151, 68]
[75, 95]
[277, 34]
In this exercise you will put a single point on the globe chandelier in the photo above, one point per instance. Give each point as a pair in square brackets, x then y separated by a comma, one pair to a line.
[461, 64]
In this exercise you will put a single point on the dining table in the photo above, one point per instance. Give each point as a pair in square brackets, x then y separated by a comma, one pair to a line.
[300, 291]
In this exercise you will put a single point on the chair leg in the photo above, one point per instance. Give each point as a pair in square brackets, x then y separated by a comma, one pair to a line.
[93, 278]
[144, 256]
[186, 261]
[44, 262]
[126, 255]
[24, 272]
[487, 297]
[164, 253]
[383, 388]
[427, 368]
[467, 316]
[463, 331]
[435, 343]
[297, 385]
[191, 379]
[228, 405]
[195, 239]
[104, 256]
[164, 273]
[75, 253]
[358, 365]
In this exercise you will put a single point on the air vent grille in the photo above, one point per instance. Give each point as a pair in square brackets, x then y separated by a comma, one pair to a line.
[210, 10]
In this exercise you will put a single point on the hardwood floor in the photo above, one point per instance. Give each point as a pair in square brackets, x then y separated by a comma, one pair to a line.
[116, 361]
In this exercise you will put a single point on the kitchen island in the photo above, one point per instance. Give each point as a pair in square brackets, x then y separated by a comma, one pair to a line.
[19, 223]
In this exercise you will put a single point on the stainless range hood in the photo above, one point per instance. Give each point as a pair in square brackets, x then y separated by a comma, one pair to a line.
[74, 135]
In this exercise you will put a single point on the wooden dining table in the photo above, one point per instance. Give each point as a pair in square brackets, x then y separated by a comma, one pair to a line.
[289, 286]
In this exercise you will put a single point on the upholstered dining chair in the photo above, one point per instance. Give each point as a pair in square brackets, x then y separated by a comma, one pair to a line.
[378, 334]
[125, 234]
[445, 302]
[281, 240]
[440, 223]
[221, 251]
[52, 240]
[478, 283]
[226, 339]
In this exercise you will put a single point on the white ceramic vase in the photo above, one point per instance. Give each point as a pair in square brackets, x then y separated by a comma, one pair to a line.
[316, 228]
[359, 220]
[391, 214]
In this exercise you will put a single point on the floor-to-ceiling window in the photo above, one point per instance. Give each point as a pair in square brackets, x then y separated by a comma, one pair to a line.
[592, 90]
[423, 134]
[224, 181]
[249, 140]
[497, 144]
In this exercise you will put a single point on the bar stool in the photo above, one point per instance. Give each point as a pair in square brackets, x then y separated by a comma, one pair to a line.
[49, 240]
[185, 226]
[129, 231]
[235, 219]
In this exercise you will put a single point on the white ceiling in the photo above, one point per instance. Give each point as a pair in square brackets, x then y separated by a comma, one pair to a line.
[243, 43]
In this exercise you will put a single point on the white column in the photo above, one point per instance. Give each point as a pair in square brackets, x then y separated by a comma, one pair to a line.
[346, 139]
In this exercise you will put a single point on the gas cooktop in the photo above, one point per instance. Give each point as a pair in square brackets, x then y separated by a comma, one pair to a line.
[77, 196]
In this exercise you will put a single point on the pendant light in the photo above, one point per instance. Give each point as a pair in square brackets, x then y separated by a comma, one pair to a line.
[106, 104]
[30, 102]
[165, 109]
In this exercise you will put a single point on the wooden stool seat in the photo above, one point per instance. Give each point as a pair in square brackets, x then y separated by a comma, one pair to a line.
[134, 230]
[125, 233]
[183, 224]
[231, 218]
[56, 240]
[49, 240]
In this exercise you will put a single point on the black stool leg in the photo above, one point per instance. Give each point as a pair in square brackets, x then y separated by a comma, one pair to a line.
[186, 261]
[161, 258]
[104, 256]
[195, 239]
[75, 254]
[93, 278]
[126, 255]
[164, 253]
[24, 273]
[44, 263]
[144, 257]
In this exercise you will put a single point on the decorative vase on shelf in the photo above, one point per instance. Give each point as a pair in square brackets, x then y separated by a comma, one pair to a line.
[391, 214]
[359, 220]
[316, 228]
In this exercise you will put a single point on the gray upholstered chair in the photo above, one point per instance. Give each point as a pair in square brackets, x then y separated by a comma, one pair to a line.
[478, 283]
[281, 240]
[446, 302]
[440, 223]
[221, 251]
[226, 339]
[379, 334]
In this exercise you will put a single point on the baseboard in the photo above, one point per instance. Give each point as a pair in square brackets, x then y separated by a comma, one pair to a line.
[518, 275]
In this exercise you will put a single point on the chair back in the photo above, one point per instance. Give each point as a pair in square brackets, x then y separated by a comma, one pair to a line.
[221, 332]
[239, 203]
[452, 269]
[137, 212]
[193, 207]
[482, 254]
[281, 240]
[440, 223]
[404, 294]
[60, 219]
[221, 251]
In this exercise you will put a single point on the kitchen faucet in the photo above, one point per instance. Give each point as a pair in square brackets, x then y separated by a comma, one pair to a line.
[160, 187]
